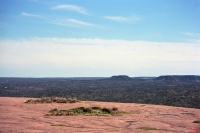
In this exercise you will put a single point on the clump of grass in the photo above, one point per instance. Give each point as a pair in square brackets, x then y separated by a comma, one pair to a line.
[57, 125]
[115, 109]
[89, 111]
[52, 100]
[196, 121]
[147, 128]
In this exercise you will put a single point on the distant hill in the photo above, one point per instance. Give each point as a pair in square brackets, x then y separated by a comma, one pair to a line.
[144, 78]
[179, 78]
[120, 77]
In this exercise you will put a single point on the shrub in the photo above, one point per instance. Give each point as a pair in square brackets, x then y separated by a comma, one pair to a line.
[74, 100]
[53, 100]
[53, 110]
[196, 121]
[114, 109]
[96, 108]
[85, 111]
[147, 128]
[57, 125]
[106, 110]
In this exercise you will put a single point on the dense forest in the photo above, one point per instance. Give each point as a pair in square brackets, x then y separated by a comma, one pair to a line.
[181, 91]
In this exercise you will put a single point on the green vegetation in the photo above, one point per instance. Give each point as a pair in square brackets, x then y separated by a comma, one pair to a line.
[196, 121]
[144, 91]
[52, 100]
[57, 125]
[94, 111]
[147, 128]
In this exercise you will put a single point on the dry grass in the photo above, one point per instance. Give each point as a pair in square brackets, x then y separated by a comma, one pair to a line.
[196, 121]
[52, 100]
[57, 125]
[147, 128]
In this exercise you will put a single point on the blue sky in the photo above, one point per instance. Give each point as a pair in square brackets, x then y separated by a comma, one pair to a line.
[86, 38]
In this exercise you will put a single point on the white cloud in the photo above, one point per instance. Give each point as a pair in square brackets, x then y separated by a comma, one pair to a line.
[72, 22]
[71, 8]
[98, 57]
[116, 18]
[192, 37]
[191, 34]
[30, 15]
[80, 22]
[158, 34]
[61, 23]
[123, 19]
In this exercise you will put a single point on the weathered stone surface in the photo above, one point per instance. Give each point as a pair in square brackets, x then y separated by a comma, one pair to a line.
[18, 117]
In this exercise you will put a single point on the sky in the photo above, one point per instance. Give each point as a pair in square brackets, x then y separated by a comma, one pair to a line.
[99, 38]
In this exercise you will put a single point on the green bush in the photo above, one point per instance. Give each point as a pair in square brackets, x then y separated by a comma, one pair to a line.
[98, 111]
[96, 108]
[114, 109]
[106, 110]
